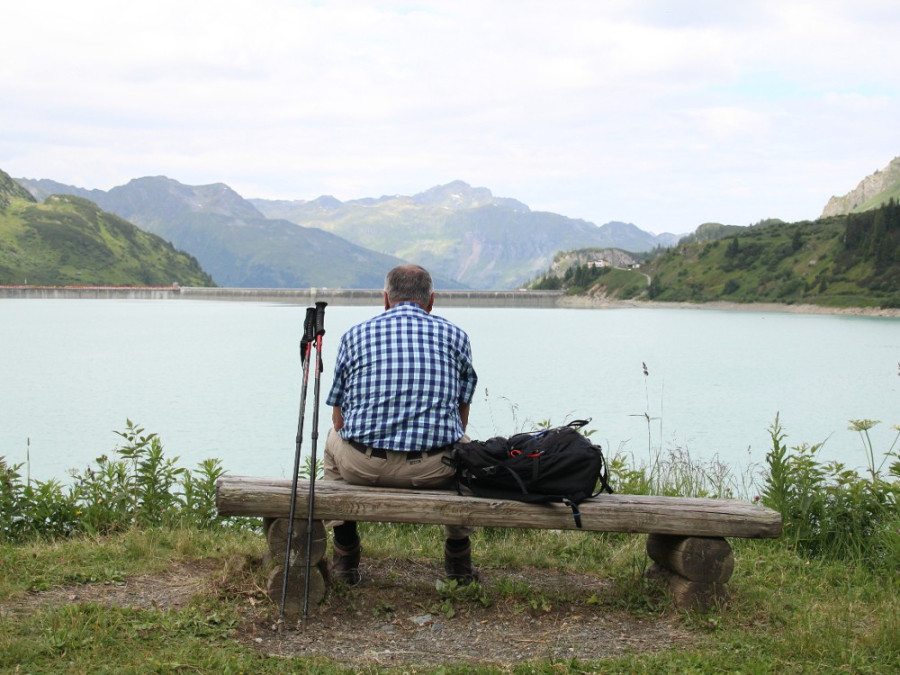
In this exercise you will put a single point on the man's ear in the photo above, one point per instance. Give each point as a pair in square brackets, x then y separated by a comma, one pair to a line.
[387, 305]
[430, 304]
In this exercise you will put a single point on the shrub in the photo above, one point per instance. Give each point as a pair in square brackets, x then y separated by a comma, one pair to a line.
[139, 488]
[834, 512]
[33, 507]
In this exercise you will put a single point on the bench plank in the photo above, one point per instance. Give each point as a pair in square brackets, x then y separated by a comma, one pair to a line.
[336, 500]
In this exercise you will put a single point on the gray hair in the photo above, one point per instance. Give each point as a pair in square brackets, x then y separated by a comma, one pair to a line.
[409, 283]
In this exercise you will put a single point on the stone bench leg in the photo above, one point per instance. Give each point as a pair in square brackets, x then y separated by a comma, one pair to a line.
[695, 569]
[276, 536]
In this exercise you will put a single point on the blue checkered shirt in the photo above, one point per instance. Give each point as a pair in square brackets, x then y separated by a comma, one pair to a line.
[399, 380]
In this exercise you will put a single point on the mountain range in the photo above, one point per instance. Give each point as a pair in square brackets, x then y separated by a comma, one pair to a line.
[463, 232]
[234, 243]
[464, 235]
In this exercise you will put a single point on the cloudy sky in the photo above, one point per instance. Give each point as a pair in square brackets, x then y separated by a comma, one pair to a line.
[666, 114]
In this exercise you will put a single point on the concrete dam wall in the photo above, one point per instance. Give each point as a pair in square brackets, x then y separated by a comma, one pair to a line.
[302, 296]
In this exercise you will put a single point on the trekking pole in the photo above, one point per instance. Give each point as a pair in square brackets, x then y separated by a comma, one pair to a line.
[320, 331]
[306, 344]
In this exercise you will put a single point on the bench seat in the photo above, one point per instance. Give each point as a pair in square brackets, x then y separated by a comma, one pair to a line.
[335, 500]
[686, 534]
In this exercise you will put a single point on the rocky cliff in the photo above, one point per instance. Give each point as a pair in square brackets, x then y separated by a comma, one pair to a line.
[869, 188]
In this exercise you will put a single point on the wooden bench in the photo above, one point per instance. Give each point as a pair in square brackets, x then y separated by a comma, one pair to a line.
[686, 535]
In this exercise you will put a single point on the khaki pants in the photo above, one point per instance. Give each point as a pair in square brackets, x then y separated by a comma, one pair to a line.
[344, 462]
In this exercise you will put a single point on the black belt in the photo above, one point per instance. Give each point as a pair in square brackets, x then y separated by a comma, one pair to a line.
[382, 453]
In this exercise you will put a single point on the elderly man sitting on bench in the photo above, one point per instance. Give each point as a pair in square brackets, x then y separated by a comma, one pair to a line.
[403, 384]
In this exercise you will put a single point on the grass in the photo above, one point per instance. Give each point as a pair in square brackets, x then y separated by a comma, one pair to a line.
[40, 565]
[822, 598]
[787, 614]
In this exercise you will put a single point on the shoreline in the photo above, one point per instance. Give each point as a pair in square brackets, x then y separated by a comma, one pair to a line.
[534, 299]
[583, 302]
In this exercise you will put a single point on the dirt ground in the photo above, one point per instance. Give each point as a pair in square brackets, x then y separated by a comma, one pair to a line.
[398, 616]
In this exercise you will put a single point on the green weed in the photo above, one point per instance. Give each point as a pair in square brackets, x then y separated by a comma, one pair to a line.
[832, 511]
[451, 593]
[138, 487]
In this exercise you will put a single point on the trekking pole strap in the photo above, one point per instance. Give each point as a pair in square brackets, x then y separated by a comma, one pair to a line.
[309, 333]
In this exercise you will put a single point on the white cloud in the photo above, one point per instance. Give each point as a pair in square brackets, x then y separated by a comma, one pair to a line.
[662, 114]
[729, 123]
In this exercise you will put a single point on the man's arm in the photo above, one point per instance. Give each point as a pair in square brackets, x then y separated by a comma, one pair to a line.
[337, 418]
[463, 415]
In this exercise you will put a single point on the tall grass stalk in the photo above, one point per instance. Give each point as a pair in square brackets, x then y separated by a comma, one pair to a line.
[863, 427]
[677, 473]
[673, 472]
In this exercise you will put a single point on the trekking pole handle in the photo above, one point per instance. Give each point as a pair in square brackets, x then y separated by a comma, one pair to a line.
[309, 328]
[320, 318]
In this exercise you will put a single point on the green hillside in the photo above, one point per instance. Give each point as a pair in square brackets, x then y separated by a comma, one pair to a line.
[842, 261]
[68, 240]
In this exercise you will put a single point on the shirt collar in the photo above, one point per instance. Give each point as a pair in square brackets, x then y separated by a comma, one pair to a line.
[408, 306]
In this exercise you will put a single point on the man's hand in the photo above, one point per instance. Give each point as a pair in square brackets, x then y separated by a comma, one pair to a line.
[337, 418]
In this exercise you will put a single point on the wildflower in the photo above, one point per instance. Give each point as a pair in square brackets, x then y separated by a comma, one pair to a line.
[756, 498]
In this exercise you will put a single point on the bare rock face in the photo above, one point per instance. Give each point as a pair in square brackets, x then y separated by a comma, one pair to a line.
[612, 257]
[869, 187]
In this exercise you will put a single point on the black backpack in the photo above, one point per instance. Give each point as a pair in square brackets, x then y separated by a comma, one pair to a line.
[550, 465]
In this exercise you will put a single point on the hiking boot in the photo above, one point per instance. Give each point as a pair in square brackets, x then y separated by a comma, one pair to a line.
[345, 564]
[458, 565]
